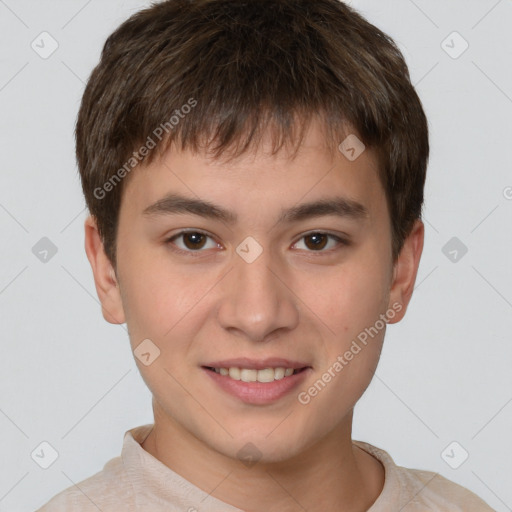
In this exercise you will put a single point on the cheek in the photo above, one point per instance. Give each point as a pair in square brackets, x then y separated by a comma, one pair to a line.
[354, 297]
[156, 297]
[352, 353]
[352, 304]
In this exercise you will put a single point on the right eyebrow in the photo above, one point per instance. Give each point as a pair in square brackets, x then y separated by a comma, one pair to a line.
[175, 203]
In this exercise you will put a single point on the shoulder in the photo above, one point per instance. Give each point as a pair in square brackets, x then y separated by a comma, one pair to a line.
[425, 488]
[104, 491]
[415, 490]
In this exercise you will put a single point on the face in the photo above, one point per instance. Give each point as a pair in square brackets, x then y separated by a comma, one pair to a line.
[239, 272]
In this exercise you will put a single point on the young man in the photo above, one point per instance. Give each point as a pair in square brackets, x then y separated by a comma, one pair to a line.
[254, 173]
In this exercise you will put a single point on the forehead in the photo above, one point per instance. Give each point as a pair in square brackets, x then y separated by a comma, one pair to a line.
[259, 178]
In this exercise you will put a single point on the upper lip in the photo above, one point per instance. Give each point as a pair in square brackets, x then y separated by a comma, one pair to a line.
[257, 364]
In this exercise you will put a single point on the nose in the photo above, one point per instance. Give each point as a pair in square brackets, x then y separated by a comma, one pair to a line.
[256, 302]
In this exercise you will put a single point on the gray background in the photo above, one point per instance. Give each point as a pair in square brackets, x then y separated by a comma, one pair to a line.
[68, 377]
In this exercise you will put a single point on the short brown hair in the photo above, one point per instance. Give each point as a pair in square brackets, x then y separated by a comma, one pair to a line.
[248, 68]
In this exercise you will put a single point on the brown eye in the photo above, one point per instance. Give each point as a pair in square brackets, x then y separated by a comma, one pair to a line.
[318, 241]
[194, 240]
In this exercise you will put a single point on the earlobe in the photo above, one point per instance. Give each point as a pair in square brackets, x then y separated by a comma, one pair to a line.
[406, 269]
[105, 279]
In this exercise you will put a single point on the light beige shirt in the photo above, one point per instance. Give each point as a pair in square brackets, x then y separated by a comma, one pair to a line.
[137, 481]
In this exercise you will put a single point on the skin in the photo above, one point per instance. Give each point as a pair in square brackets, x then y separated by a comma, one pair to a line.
[294, 301]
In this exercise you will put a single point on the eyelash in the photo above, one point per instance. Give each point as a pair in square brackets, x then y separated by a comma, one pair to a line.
[169, 241]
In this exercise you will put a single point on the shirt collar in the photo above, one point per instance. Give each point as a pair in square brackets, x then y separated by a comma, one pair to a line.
[155, 483]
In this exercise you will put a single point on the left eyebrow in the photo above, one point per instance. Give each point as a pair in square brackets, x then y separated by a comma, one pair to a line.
[338, 206]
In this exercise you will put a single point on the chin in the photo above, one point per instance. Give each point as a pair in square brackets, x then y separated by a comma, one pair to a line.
[263, 446]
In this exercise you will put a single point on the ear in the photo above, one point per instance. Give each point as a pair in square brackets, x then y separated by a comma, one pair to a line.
[405, 270]
[105, 279]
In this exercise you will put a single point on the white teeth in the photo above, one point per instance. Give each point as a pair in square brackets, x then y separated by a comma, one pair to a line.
[248, 375]
[251, 375]
[234, 373]
[279, 373]
[266, 375]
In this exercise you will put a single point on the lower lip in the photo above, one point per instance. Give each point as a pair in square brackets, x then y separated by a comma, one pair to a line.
[258, 393]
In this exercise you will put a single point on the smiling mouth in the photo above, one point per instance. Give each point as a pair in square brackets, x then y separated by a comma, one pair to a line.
[251, 375]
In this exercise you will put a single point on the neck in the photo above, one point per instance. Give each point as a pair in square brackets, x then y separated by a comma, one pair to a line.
[331, 474]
